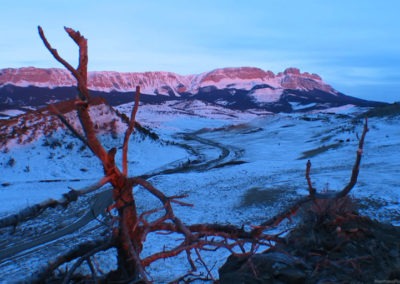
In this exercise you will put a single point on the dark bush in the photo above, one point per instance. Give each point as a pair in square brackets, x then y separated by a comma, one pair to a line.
[11, 162]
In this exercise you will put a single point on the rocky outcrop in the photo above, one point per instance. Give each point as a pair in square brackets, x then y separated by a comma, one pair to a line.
[293, 79]
[326, 247]
[30, 76]
[237, 74]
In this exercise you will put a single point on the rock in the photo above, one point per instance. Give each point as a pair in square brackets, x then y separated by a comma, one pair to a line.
[270, 267]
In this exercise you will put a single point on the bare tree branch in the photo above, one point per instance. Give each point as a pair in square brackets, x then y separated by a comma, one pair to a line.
[83, 60]
[94, 186]
[354, 174]
[68, 125]
[356, 167]
[166, 202]
[209, 274]
[55, 54]
[129, 132]
[286, 213]
[81, 76]
[82, 250]
[310, 187]
[92, 269]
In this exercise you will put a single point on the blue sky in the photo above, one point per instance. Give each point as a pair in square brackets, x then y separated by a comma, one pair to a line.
[352, 45]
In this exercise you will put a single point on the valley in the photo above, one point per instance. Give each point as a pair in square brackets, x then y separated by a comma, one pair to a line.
[235, 170]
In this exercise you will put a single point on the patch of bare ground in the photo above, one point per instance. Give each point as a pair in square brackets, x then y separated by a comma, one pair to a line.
[257, 196]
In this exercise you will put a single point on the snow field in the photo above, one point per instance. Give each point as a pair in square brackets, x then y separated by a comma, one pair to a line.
[274, 150]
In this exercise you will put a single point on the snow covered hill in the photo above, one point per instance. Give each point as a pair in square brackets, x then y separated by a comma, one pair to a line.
[35, 124]
[241, 88]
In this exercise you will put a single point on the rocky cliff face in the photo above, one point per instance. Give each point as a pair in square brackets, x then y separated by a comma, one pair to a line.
[154, 83]
[235, 88]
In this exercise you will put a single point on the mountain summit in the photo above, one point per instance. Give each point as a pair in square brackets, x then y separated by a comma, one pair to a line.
[235, 88]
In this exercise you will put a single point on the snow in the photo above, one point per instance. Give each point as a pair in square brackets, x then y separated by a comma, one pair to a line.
[176, 116]
[266, 95]
[299, 106]
[227, 83]
[345, 109]
[274, 150]
[10, 112]
[41, 172]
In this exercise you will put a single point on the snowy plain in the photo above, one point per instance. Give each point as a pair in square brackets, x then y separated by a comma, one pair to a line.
[272, 150]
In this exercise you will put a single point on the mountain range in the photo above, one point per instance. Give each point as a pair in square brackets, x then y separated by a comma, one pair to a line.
[244, 88]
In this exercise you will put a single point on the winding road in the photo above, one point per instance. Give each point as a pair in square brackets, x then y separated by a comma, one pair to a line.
[228, 154]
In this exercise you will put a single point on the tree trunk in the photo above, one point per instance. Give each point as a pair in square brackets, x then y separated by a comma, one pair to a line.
[129, 233]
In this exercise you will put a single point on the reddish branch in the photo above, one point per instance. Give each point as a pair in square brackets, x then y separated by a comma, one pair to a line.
[195, 236]
[80, 75]
[128, 132]
[54, 52]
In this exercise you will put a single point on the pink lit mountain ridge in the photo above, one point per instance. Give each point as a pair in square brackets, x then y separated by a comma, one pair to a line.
[241, 88]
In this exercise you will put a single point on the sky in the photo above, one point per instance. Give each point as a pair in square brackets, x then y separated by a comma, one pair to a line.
[354, 45]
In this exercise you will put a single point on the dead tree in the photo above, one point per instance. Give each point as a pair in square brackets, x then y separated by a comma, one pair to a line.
[122, 192]
[133, 228]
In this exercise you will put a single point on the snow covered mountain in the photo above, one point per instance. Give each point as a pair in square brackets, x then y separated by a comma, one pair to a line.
[234, 88]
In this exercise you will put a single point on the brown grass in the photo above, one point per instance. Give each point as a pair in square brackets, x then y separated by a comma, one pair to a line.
[263, 196]
[314, 152]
